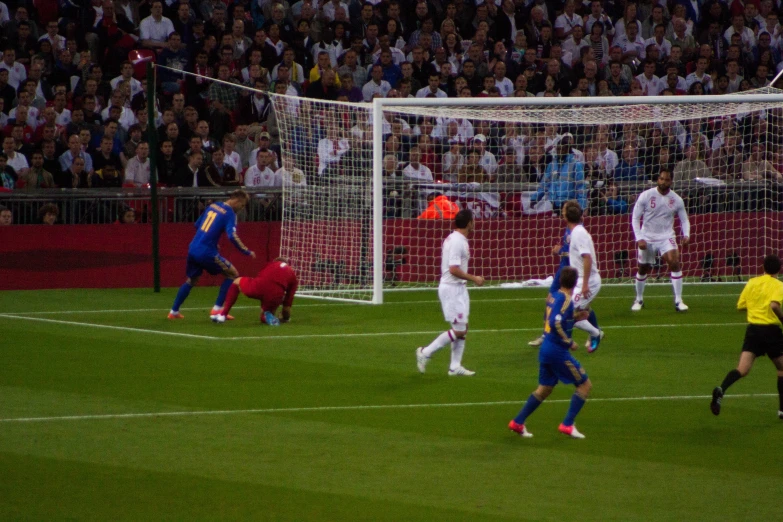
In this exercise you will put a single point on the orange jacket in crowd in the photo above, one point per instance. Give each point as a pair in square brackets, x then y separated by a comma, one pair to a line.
[440, 208]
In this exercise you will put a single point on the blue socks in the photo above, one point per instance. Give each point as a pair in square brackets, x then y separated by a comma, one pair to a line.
[576, 405]
[592, 319]
[182, 294]
[529, 407]
[221, 297]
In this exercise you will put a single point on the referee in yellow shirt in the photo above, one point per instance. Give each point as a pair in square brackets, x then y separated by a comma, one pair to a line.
[762, 298]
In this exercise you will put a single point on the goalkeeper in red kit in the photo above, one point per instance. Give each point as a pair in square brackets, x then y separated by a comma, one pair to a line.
[274, 285]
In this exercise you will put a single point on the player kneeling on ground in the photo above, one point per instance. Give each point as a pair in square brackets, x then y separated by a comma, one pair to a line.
[555, 360]
[274, 285]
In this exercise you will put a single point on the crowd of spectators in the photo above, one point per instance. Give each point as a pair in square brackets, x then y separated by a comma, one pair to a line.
[73, 106]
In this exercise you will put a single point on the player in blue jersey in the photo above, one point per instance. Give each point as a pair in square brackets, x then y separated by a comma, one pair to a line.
[562, 251]
[218, 218]
[555, 360]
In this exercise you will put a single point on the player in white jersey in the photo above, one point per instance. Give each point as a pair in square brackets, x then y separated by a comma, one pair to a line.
[653, 228]
[453, 295]
[581, 255]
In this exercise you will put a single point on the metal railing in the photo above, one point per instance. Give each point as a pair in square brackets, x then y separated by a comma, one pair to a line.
[402, 199]
[100, 206]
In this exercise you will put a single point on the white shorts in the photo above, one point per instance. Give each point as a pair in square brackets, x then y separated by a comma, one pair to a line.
[455, 302]
[582, 302]
[656, 248]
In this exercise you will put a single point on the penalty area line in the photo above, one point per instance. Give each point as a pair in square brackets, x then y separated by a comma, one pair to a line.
[316, 409]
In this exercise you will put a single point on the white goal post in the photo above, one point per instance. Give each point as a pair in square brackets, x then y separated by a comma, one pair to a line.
[353, 230]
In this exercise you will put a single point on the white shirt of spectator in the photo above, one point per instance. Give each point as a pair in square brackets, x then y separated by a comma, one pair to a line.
[607, 161]
[571, 47]
[293, 178]
[234, 159]
[567, 23]
[371, 88]
[421, 172]
[151, 29]
[705, 80]
[330, 152]
[425, 91]
[748, 37]
[628, 46]
[63, 118]
[397, 56]
[329, 9]
[464, 129]
[505, 86]
[489, 163]
[136, 86]
[255, 177]
[58, 43]
[254, 154]
[127, 118]
[16, 74]
[4, 18]
[619, 28]
[651, 87]
[18, 162]
[137, 172]
[664, 48]
[32, 116]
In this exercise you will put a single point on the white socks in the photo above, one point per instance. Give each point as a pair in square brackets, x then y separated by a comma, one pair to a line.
[585, 325]
[439, 342]
[641, 280]
[677, 285]
[457, 348]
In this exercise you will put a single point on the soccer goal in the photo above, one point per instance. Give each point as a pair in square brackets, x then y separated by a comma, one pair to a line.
[372, 215]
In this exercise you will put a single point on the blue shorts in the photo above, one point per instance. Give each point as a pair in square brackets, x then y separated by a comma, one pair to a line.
[213, 263]
[561, 367]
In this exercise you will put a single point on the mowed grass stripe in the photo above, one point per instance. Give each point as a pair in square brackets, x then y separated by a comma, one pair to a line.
[316, 409]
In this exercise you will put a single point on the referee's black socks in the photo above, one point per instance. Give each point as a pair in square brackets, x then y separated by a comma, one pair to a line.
[780, 392]
[732, 377]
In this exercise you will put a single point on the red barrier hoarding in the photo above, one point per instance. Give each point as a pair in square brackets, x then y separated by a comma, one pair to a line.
[119, 256]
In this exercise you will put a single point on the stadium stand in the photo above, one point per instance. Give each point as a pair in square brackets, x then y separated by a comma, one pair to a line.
[72, 78]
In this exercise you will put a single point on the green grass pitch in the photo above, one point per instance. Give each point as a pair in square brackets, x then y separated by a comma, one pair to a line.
[326, 418]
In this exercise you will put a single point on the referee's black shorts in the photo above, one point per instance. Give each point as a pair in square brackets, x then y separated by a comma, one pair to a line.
[764, 339]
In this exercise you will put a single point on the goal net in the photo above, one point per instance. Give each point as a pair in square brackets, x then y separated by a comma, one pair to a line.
[513, 162]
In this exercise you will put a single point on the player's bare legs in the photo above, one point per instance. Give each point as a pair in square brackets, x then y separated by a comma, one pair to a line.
[182, 294]
[672, 258]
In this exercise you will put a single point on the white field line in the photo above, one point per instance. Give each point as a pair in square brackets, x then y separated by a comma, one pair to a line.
[111, 327]
[308, 305]
[315, 409]
[337, 335]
